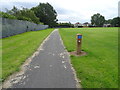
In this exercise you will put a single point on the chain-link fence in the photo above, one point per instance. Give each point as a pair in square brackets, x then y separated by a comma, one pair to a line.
[13, 27]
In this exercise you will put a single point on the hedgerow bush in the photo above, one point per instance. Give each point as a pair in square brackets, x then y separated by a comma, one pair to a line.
[5, 15]
[24, 18]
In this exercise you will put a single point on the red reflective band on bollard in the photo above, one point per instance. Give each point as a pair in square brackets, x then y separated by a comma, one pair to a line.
[79, 39]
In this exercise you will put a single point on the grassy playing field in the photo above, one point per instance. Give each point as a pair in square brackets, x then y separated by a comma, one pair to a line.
[16, 49]
[99, 68]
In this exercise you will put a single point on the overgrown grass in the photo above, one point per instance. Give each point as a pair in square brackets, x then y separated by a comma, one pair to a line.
[99, 68]
[16, 49]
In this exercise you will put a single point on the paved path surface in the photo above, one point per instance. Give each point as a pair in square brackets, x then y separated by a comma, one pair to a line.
[50, 68]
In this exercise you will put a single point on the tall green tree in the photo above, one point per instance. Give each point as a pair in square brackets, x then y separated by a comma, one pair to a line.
[24, 14]
[46, 13]
[28, 14]
[6, 15]
[14, 11]
[97, 20]
[108, 21]
[115, 22]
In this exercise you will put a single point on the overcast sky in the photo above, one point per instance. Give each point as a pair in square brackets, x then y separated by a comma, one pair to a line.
[71, 10]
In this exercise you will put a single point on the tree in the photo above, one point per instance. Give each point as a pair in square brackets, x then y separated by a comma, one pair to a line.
[108, 21]
[24, 14]
[46, 13]
[29, 14]
[64, 25]
[13, 11]
[115, 22]
[97, 20]
[6, 15]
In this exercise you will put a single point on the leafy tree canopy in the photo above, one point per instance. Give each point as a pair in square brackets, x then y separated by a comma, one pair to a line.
[115, 22]
[5, 15]
[97, 20]
[46, 13]
[24, 14]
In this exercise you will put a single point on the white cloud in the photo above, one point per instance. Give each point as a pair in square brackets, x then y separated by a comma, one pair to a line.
[74, 10]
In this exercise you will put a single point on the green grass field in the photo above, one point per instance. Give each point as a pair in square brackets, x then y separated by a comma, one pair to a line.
[99, 68]
[16, 49]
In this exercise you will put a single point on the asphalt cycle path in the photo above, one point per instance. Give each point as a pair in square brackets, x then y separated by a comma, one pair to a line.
[51, 68]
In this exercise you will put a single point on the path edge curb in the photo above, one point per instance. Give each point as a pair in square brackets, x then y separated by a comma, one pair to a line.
[74, 72]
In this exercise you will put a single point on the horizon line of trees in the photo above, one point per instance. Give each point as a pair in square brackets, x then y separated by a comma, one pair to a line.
[98, 20]
[44, 13]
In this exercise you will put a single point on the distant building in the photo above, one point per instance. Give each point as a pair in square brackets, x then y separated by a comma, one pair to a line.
[86, 24]
[76, 25]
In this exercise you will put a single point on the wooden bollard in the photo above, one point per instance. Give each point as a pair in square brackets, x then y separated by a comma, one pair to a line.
[79, 43]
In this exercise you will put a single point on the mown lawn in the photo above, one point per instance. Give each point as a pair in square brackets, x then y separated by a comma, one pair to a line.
[16, 49]
[99, 68]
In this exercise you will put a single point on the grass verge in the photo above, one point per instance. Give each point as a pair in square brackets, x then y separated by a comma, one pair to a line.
[99, 68]
[16, 49]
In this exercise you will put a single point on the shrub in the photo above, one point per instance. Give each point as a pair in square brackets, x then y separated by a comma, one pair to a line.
[24, 18]
[5, 15]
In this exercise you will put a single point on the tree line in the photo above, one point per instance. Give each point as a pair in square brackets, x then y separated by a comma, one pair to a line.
[99, 20]
[44, 13]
